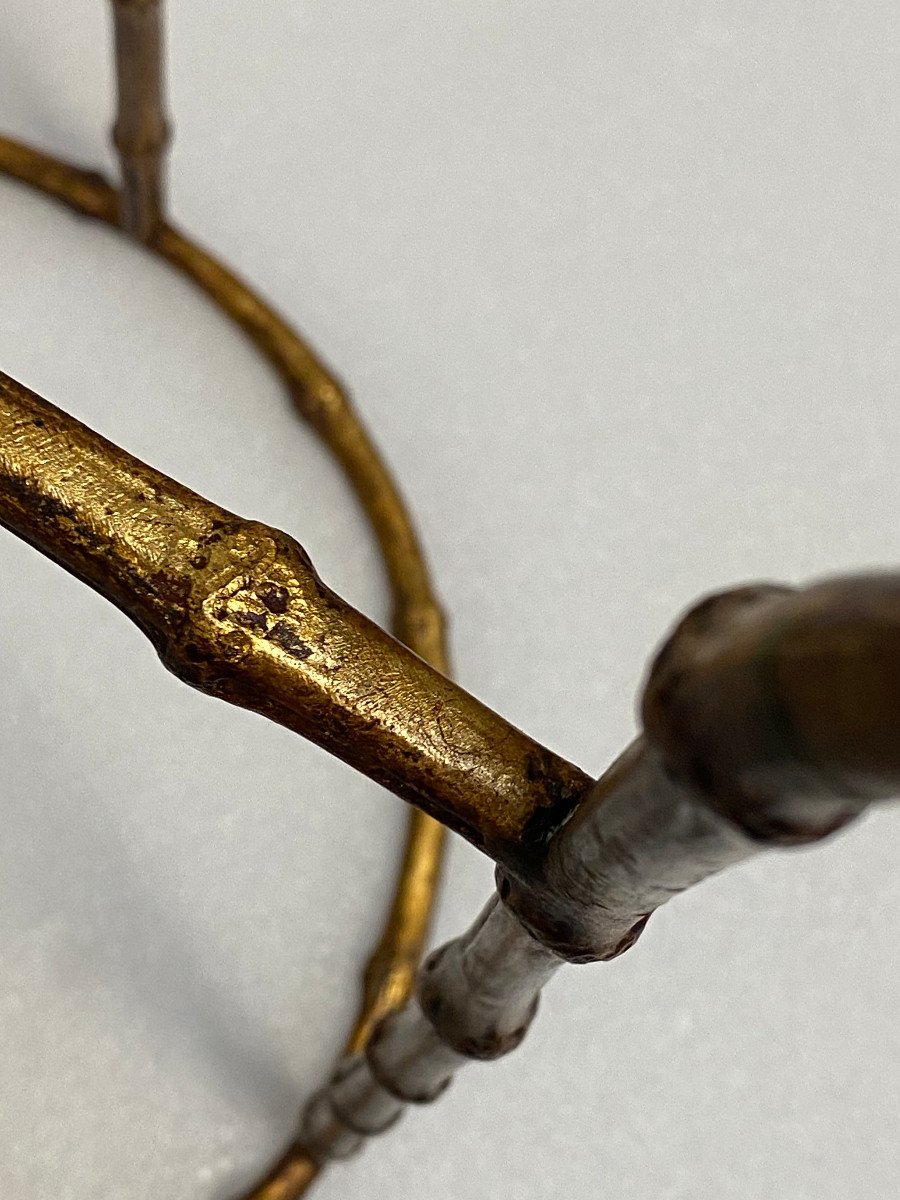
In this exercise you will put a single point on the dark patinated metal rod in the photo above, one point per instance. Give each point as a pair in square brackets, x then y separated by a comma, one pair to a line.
[141, 131]
[772, 717]
[235, 609]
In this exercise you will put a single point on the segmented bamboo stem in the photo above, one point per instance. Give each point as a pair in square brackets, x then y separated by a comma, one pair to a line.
[773, 719]
[141, 131]
[476, 999]
[769, 720]
[417, 617]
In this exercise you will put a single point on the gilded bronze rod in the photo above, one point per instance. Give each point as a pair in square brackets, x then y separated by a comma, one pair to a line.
[416, 617]
[141, 131]
[236, 609]
[141, 135]
[771, 717]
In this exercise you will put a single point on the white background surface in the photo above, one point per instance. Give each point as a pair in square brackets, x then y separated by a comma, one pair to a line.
[616, 284]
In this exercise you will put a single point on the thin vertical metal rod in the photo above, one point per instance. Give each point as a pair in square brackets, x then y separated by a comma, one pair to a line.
[141, 131]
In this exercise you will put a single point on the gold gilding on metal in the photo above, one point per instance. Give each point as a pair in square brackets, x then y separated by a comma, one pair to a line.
[236, 609]
[161, 553]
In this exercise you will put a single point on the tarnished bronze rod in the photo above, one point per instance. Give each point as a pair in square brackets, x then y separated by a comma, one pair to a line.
[141, 131]
[236, 609]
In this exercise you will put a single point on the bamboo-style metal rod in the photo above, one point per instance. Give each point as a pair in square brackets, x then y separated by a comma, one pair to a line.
[236, 609]
[141, 131]
[772, 718]
[416, 619]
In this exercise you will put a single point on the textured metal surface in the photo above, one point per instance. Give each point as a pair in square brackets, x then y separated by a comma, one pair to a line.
[236, 609]
[298, 1172]
[417, 618]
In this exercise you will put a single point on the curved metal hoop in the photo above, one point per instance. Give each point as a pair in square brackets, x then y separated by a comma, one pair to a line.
[417, 619]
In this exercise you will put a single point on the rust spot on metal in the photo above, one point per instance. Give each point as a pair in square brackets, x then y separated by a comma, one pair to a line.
[275, 597]
[249, 619]
[289, 641]
[171, 589]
